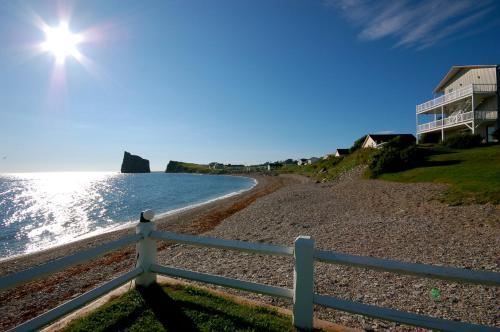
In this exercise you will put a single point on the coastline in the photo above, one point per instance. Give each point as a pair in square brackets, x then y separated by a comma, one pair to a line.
[131, 223]
[81, 278]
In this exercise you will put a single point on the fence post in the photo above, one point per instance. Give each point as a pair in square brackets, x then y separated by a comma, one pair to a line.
[146, 249]
[303, 283]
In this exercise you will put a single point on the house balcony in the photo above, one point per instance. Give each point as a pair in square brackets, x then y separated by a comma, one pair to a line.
[456, 95]
[462, 118]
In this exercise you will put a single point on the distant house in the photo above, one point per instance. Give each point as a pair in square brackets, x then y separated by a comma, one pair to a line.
[376, 140]
[341, 152]
[302, 161]
[215, 165]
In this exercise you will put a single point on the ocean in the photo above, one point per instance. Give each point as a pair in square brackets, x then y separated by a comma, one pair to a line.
[42, 210]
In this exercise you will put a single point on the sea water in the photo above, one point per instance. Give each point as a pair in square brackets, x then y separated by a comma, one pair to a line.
[42, 210]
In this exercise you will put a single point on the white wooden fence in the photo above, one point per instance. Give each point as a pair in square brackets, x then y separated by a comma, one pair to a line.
[302, 294]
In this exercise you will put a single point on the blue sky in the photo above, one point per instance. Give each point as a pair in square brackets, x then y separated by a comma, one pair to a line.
[228, 81]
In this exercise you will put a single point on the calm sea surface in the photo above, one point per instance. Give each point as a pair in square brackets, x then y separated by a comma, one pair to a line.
[41, 210]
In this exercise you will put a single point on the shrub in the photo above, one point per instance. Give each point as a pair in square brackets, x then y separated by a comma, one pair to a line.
[357, 144]
[395, 156]
[462, 141]
[434, 137]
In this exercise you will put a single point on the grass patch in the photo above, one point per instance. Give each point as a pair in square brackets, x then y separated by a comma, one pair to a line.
[179, 308]
[473, 174]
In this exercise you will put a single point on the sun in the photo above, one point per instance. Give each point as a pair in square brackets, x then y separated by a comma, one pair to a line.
[61, 42]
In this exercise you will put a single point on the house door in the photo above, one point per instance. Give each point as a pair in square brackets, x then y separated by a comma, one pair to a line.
[489, 134]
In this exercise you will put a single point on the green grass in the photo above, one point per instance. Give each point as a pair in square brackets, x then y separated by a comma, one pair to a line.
[333, 166]
[179, 308]
[473, 174]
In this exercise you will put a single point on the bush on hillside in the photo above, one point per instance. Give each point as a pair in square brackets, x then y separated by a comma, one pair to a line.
[462, 141]
[395, 156]
[434, 137]
[357, 144]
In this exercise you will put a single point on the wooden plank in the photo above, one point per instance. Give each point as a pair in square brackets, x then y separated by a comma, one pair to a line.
[36, 272]
[423, 270]
[399, 316]
[261, 248]
[223, 281]
[79, 301]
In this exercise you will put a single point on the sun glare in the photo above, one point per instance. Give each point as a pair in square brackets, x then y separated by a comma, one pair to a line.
[61, 42]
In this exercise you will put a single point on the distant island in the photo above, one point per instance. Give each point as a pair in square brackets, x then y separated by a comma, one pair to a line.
[134, 164]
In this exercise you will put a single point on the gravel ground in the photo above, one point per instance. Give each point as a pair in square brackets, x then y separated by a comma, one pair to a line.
[364, 217]
[350, 215]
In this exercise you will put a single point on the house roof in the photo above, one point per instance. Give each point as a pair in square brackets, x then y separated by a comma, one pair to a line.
[343, 151]
[379, 138]
[454, 70]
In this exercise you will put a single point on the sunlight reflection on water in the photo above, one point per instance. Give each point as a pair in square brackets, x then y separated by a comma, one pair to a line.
[40, 210]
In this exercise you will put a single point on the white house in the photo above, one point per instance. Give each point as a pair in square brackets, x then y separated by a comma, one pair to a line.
[307, 161]
[467, 101]
[341, 152]
[378, 140]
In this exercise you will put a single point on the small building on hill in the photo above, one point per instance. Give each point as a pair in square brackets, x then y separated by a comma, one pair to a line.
[307, 161]
[215, 165]
[341, 152]
[378, 140]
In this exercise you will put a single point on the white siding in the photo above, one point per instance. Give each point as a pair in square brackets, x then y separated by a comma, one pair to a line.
[369, 143]
[471, 76]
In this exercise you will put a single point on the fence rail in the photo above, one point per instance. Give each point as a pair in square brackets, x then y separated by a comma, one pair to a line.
[302, 294]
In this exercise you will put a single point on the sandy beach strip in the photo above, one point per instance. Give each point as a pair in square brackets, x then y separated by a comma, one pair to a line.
[29, 300]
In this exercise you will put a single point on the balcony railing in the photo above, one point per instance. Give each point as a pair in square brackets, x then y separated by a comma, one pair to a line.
[455, 95]
[457, 119]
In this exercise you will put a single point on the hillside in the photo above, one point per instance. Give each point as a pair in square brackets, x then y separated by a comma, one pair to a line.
[473, 175]
[329, 169]
[183, 167]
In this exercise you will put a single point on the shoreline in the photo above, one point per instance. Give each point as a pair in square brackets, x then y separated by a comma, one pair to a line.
[17, 303]
[131, 223]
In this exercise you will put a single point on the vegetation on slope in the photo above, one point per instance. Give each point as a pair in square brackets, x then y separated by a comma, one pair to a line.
[329, 169]
[182, 167]
[473, 174]
[179, 308]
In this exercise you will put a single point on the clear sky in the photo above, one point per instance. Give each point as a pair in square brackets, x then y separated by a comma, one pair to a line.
[243, 81]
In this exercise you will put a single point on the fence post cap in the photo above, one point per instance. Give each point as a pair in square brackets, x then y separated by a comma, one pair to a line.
[303, 237]
[147, 216]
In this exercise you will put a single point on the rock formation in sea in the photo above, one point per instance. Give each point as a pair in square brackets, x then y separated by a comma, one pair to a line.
[134, 164]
